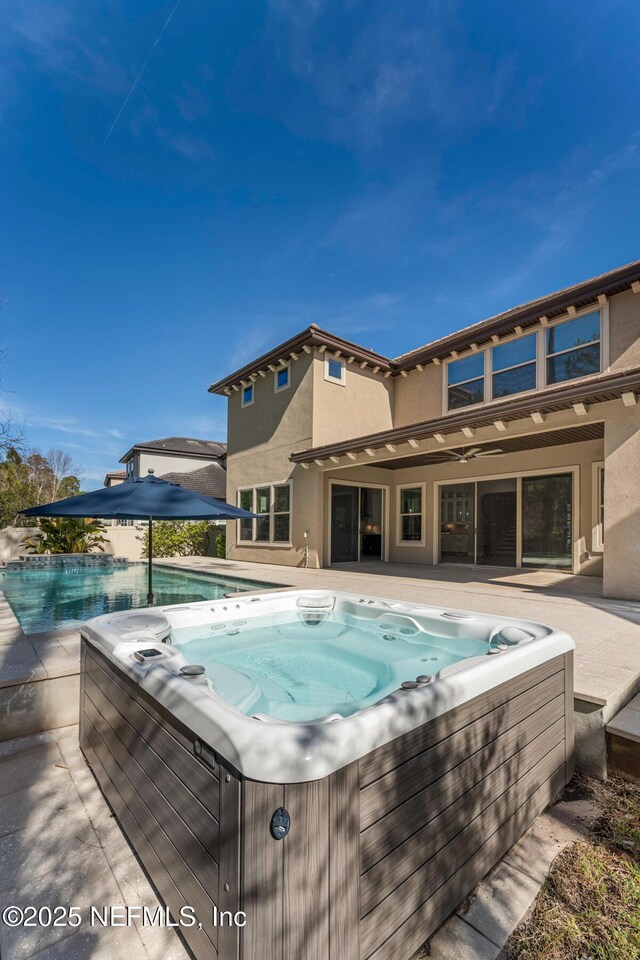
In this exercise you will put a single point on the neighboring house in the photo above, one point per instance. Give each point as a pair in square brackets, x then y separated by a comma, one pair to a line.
[114, 477]
[198, 465]
[514, 442]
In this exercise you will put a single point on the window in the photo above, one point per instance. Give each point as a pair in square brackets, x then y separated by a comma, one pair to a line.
[334, 370]
[281, 378]
[465, 381]
[513, 366]
[247, 395]
[573, 348]
[566, 350]
[281, 513]
[245, 527]
[273, 502]
[411, 519]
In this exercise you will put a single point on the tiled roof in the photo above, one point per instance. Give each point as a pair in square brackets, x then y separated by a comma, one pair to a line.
[210, 480]
[189, 446]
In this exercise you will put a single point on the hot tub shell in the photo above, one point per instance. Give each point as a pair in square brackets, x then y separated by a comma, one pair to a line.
[395, 813]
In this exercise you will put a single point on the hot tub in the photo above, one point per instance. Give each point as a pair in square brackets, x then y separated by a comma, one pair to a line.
[318, 774]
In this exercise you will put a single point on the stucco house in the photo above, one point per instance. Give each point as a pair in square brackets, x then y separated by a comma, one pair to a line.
[513, 442]
[198, 465]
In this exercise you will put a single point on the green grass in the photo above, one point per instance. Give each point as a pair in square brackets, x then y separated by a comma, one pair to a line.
[589, 906]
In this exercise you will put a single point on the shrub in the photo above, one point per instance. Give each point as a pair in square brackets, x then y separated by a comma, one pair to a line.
[221, 545]
[177, 538]
[67, 535]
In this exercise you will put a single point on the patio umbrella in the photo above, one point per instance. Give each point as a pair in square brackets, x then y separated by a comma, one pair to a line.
[142, 498]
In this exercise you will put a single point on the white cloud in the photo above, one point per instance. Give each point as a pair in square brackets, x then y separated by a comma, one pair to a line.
[399, 63]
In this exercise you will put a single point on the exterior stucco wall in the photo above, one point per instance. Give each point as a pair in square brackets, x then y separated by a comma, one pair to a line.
[363, 405]
[624, 330]
[622, 503]
[418, 397]
[167, 463]
[261, 438]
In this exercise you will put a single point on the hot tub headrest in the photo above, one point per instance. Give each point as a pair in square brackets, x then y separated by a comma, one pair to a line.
[316, 601]
[512, 635]
[138, 625]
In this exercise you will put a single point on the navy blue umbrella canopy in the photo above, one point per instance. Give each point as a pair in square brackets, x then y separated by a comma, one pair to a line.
[142, 498]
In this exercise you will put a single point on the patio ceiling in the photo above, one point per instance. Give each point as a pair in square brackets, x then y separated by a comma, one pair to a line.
[549, 438]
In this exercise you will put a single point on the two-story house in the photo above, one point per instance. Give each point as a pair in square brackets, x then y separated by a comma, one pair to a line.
[514, 442]
[198, 465]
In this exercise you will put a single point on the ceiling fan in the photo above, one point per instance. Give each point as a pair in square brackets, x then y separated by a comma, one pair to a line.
[474, 453]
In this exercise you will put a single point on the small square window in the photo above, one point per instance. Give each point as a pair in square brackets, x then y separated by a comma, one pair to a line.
[334, 370]
[247, 395]
[281, 378]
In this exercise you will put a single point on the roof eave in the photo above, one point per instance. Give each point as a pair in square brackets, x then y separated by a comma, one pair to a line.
[589, 390]
[312, 336]
[529, 313]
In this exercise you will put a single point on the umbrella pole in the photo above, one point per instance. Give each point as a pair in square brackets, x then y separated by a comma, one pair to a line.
[150, 593]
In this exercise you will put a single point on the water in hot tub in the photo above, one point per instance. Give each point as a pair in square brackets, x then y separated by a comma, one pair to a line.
[296, 666]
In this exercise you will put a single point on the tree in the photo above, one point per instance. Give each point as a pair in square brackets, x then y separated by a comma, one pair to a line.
[27, 479]
[64, 474]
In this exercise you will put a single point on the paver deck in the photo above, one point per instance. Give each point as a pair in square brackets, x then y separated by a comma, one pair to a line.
[60, 846]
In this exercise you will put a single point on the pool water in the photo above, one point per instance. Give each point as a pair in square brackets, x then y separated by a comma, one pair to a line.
[61, 598]
[292, 668]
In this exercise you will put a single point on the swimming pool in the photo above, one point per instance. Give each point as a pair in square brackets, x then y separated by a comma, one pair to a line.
[62, 598]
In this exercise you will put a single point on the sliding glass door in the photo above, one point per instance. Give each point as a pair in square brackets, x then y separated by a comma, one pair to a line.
[497, 523]
[482, 522]
[356, 523]
[547, 521]
[457, 523]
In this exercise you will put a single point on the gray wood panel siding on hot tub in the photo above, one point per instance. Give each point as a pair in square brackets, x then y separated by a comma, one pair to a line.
[379, 853]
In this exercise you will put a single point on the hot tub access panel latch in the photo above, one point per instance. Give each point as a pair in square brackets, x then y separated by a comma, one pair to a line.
[280, 823]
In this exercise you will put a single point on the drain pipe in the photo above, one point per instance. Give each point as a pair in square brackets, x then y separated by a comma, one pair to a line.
[306, 549]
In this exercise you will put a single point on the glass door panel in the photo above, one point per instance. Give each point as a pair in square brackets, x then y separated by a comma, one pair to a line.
[497, 522]
[370, 523]
[344, 523]
[457, 523]
[547, 521]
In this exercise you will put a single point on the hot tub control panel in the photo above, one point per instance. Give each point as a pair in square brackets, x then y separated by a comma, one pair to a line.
[143, 656]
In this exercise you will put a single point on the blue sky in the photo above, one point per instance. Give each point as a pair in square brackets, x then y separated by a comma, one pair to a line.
[391, 171]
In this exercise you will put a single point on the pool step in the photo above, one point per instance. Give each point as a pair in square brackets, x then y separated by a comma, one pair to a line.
[623, 736]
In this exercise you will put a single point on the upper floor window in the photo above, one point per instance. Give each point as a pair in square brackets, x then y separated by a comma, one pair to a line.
[466, 381]
[334, 370]
[562, 351]
[573, 348]
[247, 395]
[281, 378]
[514, 366]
